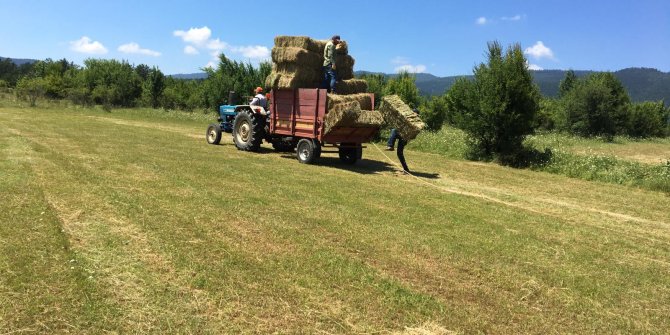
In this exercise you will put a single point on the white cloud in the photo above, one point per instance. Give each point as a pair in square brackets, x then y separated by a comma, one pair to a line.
[196, 36]
[512, 18]
[216, 44]
[534, 67]
[481, 21]
[253, 51]
[539, 50]
[191, 50]
[134, 48]
[199, 39]
[411, 68]
[88, 46]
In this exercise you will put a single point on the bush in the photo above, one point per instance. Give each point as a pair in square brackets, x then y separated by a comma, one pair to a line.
[649, 119]
[433, 113]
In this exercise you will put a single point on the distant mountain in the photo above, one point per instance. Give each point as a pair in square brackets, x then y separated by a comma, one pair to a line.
[19, 61]
[643, 84]
[189, 76]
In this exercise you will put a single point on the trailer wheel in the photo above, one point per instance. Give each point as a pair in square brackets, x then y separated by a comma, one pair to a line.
[306, 151]
[213, 133]
[350, 155]
[317, 148]
[248, 130]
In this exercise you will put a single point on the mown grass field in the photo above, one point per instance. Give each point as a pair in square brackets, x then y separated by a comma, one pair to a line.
[128, 222]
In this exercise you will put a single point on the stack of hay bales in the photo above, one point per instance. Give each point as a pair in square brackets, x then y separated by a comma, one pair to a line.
[297, 62]
[399, 116]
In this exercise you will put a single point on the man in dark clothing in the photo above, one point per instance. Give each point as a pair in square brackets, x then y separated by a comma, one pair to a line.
[395, 135]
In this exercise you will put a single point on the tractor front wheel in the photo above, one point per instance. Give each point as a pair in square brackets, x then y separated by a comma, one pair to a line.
[213, 133]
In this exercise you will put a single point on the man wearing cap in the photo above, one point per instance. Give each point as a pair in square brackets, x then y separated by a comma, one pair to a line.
[259, 99]
[329, 67]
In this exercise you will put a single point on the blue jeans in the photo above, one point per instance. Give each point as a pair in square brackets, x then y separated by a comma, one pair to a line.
[329, 78]
[392, 138]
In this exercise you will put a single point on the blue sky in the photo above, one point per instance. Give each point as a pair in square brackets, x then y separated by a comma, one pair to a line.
[439, 37]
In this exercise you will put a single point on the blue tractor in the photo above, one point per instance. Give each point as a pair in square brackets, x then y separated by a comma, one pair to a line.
[226, 117]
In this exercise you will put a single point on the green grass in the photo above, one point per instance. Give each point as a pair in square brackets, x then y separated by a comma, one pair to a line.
[624, 161]
[128, 222]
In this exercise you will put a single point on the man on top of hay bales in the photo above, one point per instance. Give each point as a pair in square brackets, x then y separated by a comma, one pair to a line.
[329, 67]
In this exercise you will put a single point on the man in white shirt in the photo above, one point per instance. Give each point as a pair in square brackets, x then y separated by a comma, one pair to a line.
[259, 99]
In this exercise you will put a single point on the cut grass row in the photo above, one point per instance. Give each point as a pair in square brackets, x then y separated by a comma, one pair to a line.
[164, 233]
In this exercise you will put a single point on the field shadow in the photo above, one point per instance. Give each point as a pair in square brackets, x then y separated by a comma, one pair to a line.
[428, 175]
[363, 166]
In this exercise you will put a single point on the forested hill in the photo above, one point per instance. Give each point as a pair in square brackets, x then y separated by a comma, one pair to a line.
[19, 61]
[643, 84]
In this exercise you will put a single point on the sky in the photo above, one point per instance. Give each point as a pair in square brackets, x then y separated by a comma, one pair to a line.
[444, 38]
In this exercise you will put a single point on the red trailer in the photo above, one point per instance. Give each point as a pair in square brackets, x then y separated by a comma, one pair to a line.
[296, 121]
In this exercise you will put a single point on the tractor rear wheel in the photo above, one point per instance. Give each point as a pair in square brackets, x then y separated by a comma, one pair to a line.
[213, 133]
[306, 151]
[248, 130]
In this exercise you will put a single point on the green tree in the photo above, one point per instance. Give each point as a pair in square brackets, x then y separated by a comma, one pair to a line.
[597, 105]
[119, 84]
[31, 89]
[376, 85]
[229, 76]
[567, 83]
[404, 85]
[461, 96]
[498, 109]
[434, 112]
[649, 119]
[153, 87]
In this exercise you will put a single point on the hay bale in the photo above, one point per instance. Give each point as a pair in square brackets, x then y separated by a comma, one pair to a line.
[342, 115]
[303, 42]
[294, 80]
[399, 116]
[344, 65]
[297, 56]
[363, 99]
[368, 118]
[351, 86]
[342, 48]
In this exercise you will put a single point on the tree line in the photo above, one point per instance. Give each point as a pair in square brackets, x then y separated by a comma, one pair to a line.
[112, 83]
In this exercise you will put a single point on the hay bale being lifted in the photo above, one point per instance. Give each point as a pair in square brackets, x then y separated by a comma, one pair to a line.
[341, 115]
[351, 86]
[399, 116]
[363, 99]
